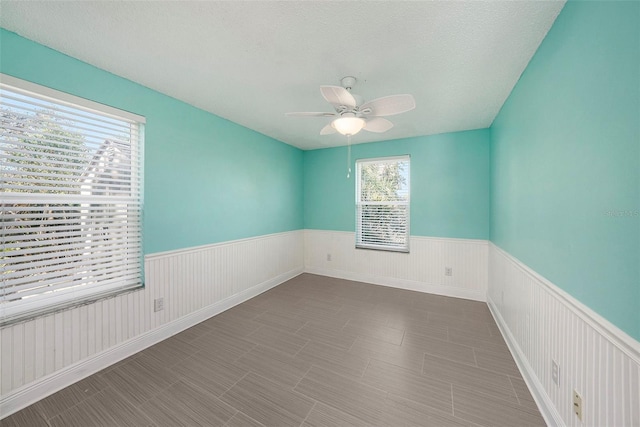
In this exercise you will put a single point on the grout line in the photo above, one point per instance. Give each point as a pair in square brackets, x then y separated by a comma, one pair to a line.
[302, 377]
[232, 416]
[302, 348]
[315, 402]
[453, 407]
[303, 325]
[514, 390]
[365, 368]
[232, 386]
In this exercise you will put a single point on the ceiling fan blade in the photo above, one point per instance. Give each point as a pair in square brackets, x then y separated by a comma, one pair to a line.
[327, 130]
[378, 124]
[337, 96]
[309, 114]
[389, 105]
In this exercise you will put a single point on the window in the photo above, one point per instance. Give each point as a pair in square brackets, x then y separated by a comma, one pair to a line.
[70, 200]
[382, 204]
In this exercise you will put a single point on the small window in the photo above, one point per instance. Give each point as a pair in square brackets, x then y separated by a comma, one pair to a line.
[382, 204]
[70, 200]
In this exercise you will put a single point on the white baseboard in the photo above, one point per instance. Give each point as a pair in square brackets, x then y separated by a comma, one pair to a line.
[333, 253]
[65, 377]
[393, 282]
[545, 405]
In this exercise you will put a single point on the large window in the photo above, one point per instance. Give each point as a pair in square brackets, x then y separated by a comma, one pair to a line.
[382, 204]
[70, 200]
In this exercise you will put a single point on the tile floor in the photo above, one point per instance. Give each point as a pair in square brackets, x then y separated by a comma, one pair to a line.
[314, 351]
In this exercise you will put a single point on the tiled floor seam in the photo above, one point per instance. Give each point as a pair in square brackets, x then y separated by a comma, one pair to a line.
[315, 402]
[492, 397]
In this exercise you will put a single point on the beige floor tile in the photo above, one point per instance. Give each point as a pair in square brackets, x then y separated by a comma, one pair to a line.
[333, 359]
[497, 361]
[523, 393]
[281, 321]
[401, 315]
[452, 320]
[286, 342]
[274, 365]
[326, 416]
[106, 408]
[29, 416]
[405, 356]
[428, 330]
[51, 406]
[185, 404]
[324, 320]
[484, 342]
[366, 313]
[319, 302]
[219, 340]
[212, 374]
[268, 402]
[448, 350]
[343, 393]
[139, 380]
[403, 382]
[489, 411]
[333, 335]
[402, 412]
[471, 377]
[373, 330]
[240, 419]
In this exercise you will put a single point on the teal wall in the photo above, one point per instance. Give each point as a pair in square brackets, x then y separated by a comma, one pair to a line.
[566, 160]
[555, 181]
[449, 184]
[207, 180]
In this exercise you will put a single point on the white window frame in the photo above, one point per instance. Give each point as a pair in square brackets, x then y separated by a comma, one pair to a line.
[361, 242]
[15, 308]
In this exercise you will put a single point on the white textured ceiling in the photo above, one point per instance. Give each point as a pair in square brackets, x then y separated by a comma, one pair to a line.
[250, 62]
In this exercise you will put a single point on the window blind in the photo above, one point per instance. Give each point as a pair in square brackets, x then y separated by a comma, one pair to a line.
[382, 203]
[71, 200]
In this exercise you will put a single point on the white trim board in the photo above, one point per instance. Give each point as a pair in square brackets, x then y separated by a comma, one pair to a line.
[393, 282]
[540, 323]
[333, 254]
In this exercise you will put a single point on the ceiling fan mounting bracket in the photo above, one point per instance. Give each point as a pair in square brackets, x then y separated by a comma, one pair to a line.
[348, 82]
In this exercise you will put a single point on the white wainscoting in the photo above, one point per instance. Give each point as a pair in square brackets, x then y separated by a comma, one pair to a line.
[423, 269]
[541, 322]
[44, 355]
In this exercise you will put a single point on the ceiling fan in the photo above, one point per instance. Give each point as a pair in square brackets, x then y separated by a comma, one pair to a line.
[352, 114]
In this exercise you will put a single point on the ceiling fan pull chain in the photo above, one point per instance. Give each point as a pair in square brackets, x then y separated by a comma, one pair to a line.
[348, 156]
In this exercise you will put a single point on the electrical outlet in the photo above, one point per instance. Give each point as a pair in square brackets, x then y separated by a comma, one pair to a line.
[577, 404]
[448, 271]
[555, 372]
[328, 257]
[158, 304]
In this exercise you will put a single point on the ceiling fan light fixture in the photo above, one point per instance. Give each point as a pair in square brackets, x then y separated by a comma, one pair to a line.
[348, 125]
